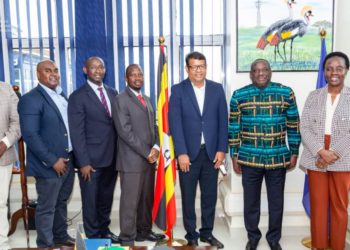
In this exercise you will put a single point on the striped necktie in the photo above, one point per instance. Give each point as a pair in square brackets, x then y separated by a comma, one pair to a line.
[103, 100]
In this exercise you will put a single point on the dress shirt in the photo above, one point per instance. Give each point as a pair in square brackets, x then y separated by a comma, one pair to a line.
[330, 108]
[6, 141]
[200, 96]
[97, 92]
[264, 126]
[62, 105]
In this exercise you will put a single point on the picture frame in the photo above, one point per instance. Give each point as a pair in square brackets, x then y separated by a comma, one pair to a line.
[284, 32]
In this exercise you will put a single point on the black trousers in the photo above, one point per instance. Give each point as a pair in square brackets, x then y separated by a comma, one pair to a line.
[252, 179]
[97, 199]
[202, 171]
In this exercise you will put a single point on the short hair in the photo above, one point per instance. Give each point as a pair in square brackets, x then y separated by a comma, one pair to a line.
[195, 55]
[131, 67]
[91, 58]
[336, 54]
[259, 60]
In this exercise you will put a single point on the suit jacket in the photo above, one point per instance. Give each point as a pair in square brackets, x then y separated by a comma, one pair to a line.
[312, 127]
[9, 122]
[92, 131]
[43, 131]
[137, 131]
[187, 124]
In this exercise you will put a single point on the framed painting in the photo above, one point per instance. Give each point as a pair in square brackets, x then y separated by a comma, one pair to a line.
[284, 32]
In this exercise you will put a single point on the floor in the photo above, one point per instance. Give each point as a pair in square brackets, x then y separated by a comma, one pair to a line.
[291, 239]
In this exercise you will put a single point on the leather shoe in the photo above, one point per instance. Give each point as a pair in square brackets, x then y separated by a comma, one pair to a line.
[151, 237]
[70, 241]
[193, 243]
[251, 246]
[114, 238]
[275, 246]
[213, 242]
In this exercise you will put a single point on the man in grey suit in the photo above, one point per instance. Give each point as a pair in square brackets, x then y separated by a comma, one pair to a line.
[137, 153]
[9, 134]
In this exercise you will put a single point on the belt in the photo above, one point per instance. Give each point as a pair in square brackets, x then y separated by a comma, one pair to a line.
[202, 146]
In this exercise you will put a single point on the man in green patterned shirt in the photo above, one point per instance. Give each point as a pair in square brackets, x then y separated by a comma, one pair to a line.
[263, 117]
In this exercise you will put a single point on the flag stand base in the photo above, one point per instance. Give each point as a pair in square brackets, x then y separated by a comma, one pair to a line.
[306, 242]
[175, 242]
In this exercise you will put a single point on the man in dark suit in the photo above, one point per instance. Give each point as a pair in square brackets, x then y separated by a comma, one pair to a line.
[198, 124]
[138, 152]
[93, 138]
[44, 126]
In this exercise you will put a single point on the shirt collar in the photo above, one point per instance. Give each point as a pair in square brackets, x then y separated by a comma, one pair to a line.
[137, 93]
[95, 86]
[194, 86]
[57, 91]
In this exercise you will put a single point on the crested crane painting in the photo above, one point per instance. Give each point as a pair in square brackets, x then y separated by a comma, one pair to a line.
[285, 32]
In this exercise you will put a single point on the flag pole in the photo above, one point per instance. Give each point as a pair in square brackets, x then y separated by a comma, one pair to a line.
[306, 241]
[164, 208]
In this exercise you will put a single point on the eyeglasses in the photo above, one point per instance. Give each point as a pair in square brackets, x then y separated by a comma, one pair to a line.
[197, 67]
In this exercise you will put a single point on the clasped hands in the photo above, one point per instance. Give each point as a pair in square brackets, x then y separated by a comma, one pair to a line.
[153, 156]
[326, 157]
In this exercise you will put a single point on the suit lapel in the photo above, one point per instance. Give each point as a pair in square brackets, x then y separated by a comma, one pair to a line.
[92, 95]
[135, 100]
[322, 100]
[207, 95]
[190, 91]
[343, 102]
[150, 115]
[50, 101]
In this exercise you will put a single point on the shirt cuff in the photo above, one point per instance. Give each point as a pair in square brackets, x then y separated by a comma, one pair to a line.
[155, 146]
[6, 141]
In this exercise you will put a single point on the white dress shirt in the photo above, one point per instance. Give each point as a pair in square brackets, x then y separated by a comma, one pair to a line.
[200, 96]
[330, 108]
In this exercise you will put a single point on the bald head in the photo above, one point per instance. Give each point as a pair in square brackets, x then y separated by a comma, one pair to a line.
[48, 74]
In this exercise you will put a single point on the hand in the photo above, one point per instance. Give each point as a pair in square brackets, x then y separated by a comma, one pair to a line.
[3, 148]
[86, 172]
[60, 166]
[184, 162]
[328, 156]
[153, 156]
[293, 162]
[219, 159]
[321, 164]
[236, 166]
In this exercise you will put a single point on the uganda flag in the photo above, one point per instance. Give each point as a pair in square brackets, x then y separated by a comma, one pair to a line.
[164, 208]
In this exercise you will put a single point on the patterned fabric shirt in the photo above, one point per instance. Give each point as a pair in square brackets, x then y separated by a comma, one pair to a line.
[262, 120]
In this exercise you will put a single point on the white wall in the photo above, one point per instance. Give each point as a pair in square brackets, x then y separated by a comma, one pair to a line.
[302, 83]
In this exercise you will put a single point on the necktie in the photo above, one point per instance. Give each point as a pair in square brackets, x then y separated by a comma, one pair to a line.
[103, 100]
[142, 100]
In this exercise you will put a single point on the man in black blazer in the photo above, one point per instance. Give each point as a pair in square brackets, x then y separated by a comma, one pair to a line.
[93, 138]
[138, 152]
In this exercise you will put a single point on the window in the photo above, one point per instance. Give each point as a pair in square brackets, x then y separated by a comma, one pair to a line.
[44, 29]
